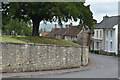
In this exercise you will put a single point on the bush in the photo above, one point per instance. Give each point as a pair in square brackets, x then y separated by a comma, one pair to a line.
[95, 51]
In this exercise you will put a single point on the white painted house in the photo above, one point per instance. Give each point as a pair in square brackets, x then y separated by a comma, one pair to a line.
[106, 35]
[111, 39]
[98, 38]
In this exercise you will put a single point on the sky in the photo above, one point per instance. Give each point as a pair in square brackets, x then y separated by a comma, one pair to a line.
[101, 8]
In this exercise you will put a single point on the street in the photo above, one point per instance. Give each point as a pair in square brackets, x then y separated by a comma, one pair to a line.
[107, 67]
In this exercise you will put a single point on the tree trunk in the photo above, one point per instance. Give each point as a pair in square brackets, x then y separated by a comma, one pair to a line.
[35, 31]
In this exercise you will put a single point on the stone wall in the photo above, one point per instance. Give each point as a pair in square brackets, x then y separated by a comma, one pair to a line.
[20, 57]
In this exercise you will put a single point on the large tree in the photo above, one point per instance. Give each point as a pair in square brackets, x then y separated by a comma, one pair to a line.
[49, 11]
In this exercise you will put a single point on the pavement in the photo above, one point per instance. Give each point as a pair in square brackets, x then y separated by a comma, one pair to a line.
[91, 65]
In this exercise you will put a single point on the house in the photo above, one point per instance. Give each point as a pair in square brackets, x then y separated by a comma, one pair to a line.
[52, 33]
[98, 38]
[60, 33]
[106, 35]
[72, 33]
[43, 33]
[82, 38]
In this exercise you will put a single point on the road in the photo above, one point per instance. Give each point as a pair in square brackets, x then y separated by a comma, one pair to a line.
[107, 67]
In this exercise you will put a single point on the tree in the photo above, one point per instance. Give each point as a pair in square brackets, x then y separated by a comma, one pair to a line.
[49, 11]
[14, 24]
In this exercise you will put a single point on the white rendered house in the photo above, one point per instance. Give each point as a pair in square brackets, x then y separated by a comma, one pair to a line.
[111, 39]
[106, 35]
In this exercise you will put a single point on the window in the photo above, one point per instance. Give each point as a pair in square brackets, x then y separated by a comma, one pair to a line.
[107, 32]
[73, 37]
[111, 33]
[97, 33]
[100, 34]
[106, 45]
[97, 45]
[111, 45]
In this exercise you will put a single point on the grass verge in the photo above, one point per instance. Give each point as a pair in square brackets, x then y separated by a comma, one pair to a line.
[36, 39]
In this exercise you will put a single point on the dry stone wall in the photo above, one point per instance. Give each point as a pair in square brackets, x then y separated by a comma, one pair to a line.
[20, 57]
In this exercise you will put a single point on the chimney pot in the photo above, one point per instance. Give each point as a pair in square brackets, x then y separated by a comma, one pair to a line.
[104, 17]
[66, 26]
[55, 25]
[70, 24]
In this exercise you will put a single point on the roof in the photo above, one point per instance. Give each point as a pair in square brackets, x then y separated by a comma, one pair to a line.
[45, 33]
[73, 31]
[95, 26]
[61, 31]
[52, 33]
[108, 22]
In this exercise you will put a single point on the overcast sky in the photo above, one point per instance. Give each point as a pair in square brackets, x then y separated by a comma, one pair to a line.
[101, 8]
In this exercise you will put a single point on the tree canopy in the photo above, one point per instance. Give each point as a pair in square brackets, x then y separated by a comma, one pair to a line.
[49, 11]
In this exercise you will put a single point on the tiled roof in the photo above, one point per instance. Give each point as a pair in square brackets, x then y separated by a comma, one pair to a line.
[108, 22]
[61, 31]
[73, 31]
[52, 33]
[45, 33]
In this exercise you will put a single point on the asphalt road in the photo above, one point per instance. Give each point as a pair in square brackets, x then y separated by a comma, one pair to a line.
[107, 67]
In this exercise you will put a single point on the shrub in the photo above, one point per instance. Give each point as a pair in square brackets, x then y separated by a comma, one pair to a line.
[94, 51]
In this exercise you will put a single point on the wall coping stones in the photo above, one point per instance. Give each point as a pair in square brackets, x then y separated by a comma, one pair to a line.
[43, 44]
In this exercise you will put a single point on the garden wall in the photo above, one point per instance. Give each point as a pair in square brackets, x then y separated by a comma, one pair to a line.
[20, 57]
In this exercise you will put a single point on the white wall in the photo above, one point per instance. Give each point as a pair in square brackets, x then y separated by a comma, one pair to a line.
[116, 38]
[0, 32]
[113, 39]
[98, 37]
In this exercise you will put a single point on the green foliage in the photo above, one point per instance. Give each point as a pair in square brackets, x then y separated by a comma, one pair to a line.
[50, 11]
[17, 26]
[94, 51]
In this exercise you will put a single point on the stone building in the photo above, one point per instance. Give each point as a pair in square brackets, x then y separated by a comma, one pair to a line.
[82, 38]
[60, 33]
[72, 33]
[52, 33]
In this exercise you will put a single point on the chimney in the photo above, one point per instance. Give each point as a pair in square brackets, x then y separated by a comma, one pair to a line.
[70, 24]
[104, 17]
[55, 25]
[66, 26]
